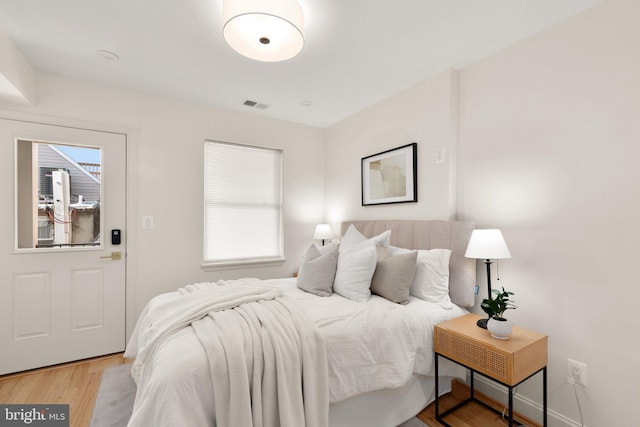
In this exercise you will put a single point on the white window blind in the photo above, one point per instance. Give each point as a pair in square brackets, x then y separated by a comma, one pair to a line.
[243, 203]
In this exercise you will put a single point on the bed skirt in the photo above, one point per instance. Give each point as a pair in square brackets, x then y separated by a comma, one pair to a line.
[388, 407]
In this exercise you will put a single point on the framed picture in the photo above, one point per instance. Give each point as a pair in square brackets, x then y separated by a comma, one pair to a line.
[390, 176]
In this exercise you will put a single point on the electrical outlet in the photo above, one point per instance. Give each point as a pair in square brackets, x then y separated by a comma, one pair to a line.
[576, 372]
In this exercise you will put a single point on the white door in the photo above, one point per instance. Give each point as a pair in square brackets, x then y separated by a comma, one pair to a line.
[60, 300]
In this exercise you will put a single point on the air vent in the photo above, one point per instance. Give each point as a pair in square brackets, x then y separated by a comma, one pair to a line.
[255, 104]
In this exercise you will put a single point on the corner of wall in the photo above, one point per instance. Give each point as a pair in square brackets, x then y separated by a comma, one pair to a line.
[17, 78]
[453, 146]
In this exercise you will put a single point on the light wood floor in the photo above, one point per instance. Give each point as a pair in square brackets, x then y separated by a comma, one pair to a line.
[77, 384]
[74, 383]
[472, 414]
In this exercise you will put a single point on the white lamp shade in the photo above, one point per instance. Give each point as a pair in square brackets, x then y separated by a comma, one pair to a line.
[267, 31]
[323, 232]
[487, 244]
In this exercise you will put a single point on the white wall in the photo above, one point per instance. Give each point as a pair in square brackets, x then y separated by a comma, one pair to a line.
[424, 113]
[165, 177]
[549, 145]
[17, 81]
[548, 142]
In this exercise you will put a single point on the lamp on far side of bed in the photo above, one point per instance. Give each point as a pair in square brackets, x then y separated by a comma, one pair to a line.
[323, 232]
[487, 245]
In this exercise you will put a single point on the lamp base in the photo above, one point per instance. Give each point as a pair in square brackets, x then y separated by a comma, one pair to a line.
[482, 323]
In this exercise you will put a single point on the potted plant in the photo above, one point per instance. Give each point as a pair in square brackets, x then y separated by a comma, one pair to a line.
[498, 326]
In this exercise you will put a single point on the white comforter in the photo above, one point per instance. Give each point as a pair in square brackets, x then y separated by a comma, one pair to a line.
[370, 346]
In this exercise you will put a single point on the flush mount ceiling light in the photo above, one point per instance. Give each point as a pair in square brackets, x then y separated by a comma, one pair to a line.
[267, 31]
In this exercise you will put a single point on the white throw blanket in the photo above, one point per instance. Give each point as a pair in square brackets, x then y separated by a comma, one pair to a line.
[267, 360]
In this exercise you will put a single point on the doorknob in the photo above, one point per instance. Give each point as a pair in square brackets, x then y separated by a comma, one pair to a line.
[114, 256]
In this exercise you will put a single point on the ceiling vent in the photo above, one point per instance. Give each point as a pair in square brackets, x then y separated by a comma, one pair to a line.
[254, 104]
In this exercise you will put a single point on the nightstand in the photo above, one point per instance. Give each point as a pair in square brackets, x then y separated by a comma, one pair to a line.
[508, 362]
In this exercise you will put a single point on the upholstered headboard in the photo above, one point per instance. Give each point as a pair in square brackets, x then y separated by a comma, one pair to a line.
[422, 234]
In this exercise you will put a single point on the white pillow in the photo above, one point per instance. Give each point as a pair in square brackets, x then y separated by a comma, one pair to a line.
[431, 279]
[354, 273]
[357, 260]
[353, 239]
[394, 250]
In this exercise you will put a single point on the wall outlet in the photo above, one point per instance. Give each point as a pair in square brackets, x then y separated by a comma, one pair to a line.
[576, 372]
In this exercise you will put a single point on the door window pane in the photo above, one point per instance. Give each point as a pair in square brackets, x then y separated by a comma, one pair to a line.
[59, 195]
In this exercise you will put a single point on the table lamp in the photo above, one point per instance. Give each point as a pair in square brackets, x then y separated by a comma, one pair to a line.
[487, 245]
[323, 232]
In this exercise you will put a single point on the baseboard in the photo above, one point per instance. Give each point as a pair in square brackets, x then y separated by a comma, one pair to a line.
[525, 406]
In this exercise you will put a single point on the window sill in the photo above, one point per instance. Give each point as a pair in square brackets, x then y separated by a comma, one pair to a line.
[230, 265]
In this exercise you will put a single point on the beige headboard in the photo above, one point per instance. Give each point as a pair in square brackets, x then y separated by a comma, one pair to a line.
[421, 234]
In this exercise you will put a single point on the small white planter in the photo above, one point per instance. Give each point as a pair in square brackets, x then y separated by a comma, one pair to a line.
[500, 329]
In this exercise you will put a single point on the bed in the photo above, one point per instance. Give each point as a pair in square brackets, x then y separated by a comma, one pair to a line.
[377, 354]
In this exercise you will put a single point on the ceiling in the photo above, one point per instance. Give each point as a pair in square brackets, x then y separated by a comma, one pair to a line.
[356, 52]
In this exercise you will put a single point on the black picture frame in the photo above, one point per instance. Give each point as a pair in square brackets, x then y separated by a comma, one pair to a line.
[390, 176]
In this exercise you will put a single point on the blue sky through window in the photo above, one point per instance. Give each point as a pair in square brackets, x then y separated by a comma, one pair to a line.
[81, 154]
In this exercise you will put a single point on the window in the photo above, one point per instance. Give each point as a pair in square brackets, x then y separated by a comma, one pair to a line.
[58, 195]
[242, 203]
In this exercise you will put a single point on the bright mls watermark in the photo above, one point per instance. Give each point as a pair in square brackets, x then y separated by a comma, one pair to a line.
[34, 415]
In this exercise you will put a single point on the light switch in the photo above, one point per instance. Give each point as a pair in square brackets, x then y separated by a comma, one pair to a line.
[147, 222]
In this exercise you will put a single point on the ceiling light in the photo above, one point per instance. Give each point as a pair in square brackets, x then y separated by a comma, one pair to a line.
[267, 31]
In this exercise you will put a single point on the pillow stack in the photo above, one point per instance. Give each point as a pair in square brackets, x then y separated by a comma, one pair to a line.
[360, 266]
[431, 279]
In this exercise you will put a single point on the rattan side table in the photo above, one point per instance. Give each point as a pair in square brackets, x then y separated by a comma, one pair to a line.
[508, 362]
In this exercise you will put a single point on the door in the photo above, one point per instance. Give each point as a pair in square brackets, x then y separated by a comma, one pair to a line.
[62, 283]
